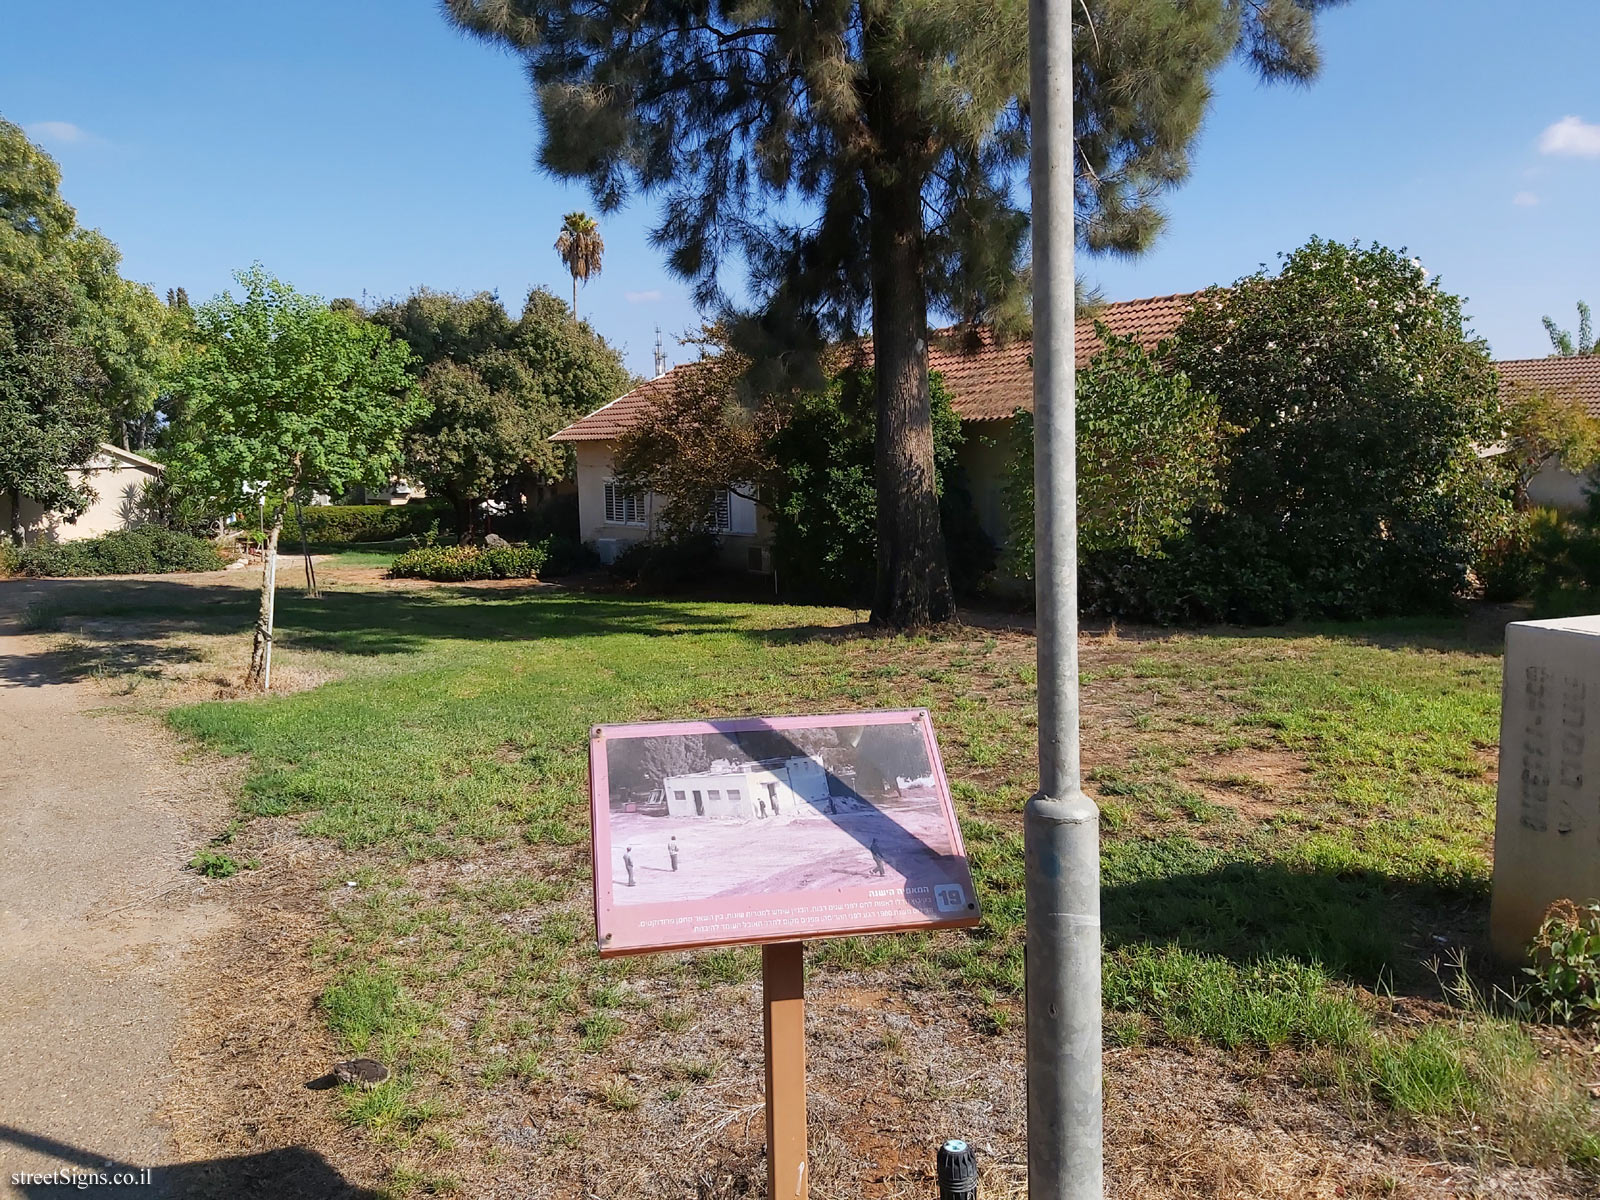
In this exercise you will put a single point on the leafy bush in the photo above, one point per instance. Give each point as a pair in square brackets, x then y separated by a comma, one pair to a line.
[566, 556]
[346, 524]
[1513, 565]
[1359, 401]
[10, 559]
[1149, 447]
[669, 564]
[149, 550]
[1562, 553]
[457, 564]
[1234, 568]
[824, 502]
[1219, 572]
[1566, 961]
[554, 520]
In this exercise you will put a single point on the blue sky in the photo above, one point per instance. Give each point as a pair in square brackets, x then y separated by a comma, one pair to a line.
[362, 146]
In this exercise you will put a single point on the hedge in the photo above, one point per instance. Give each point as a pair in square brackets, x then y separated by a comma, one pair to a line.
[457, 564]
[345, 524]
[150, 550]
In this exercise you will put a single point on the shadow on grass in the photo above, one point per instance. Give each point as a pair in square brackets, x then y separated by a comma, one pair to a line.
[373, 622]
[1478, 628]
[369, 621]
[97, 657]
[1370, 928]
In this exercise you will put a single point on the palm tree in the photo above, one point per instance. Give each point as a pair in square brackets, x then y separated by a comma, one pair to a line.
[581, 249]
[1561, 339]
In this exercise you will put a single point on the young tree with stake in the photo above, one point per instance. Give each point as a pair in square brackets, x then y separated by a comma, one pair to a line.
[279, 395]
[867, 158]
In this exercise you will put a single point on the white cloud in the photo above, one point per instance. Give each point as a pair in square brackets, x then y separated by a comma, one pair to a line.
[641, 297]
[1525, 199]
[63, 133]
[1571, 137]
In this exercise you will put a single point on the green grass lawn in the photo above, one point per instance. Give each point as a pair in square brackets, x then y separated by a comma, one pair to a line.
[1297, 826]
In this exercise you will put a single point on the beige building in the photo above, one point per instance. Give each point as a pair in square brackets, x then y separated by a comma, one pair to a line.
[116, 476]
[1578, 377]
[989, 383]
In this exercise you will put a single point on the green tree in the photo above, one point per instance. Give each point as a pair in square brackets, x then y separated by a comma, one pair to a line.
[1149, 449]
[440, 326]
[575, 366]
[51, 406]
[580, 249]
[700, 438]
[34, 219]
[123, 323]
[488, 423]
[279, 394]
[1543, 426]
[870, 157]
[1562, 341]
[824, 504]
[1361, 402]
[526, 378]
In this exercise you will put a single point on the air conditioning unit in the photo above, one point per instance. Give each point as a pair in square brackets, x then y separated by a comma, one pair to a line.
[606, 548]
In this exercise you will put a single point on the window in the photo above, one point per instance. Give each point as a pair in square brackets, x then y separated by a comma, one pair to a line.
[679, 797]
[623, 508]
[714, 796]
[733, 797]
[722, 511]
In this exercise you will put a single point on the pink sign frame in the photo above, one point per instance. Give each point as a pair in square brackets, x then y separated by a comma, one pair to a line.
[923, 881]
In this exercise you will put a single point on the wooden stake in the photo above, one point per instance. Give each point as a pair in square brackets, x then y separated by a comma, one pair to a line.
[783, 1000]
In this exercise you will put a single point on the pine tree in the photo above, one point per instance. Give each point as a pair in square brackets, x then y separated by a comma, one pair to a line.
[871, 157]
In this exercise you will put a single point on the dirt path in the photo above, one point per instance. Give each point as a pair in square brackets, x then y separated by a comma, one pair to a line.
[99, 923]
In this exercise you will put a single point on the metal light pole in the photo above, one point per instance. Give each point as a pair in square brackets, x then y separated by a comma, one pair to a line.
[1062, 825]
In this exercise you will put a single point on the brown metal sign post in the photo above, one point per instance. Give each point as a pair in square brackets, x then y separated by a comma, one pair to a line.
[783, 1003]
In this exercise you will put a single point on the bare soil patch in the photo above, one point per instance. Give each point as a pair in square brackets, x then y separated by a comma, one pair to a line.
[1253, 782]
[102, 930]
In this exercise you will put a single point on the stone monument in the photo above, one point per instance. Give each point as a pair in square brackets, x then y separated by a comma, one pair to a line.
[1547, 814]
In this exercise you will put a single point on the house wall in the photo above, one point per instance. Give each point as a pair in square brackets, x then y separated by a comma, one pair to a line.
[752, 526]
[1554, 487]
[799, 787]
[985, 455]
[118, 488]
[724, 796]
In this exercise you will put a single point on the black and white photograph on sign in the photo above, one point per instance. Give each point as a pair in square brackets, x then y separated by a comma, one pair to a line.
[702, 815]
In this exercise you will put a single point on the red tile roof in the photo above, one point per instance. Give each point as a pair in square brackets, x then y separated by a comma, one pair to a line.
[612, 420]
[988, 380]
[1577, 376]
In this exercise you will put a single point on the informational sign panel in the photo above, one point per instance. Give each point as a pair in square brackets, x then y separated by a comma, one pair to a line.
[1547, 822]
[772, 829]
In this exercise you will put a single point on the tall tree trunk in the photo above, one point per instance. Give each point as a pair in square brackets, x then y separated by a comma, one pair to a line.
[913, 585]
[260, 673]
[19, 532]
[574, 296]
[466, 519]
